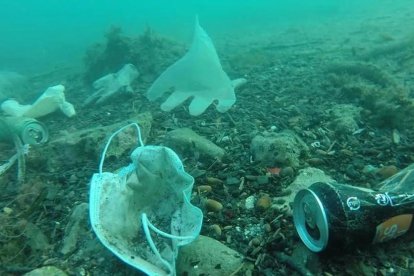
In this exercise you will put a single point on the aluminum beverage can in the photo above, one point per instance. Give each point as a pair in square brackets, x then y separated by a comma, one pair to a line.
[337, 216]
[29, 130]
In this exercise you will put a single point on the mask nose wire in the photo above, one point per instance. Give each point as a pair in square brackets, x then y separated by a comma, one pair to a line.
[139, 138]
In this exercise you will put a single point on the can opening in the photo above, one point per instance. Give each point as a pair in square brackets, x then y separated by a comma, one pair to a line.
[313, 231]
[34, 133]
[310, 220]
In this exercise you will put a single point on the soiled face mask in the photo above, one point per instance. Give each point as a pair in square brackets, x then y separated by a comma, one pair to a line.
[143, 213]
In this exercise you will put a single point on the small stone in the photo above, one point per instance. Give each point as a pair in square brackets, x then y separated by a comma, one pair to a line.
[186, 142]
[251, 177]
[262, 179]
[216, 229]
[46, 271]
[287, 172]
[255, 242]
[369, 169]
[249, 203]
[73, 179]
[267, 227]
[214, 181]
[232, 181]
[207, 256]
[213, 205]
[204, 189]
[7, 210]
[387, 171]
[264, 202]
[315, 161]
[396, 139]
[347, 152]
[76, 228]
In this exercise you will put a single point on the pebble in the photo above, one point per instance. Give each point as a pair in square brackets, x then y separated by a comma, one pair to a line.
[249, 203]
[347, 152]
[387, 171]
[73, 179]
[214, 181]
[351, 172]
[262, 179]
[7, 210]
[216, 229]
[264, 202]
[251, 177]
[396, 139]
[204, 189]
[213, 205]
[368, 169]
[45, 271]
[315, 161]
[255, 242]
[287, 172]
[232, 181]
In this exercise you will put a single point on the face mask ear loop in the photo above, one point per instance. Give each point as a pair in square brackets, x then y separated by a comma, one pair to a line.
[154, 249]
[110, 140]
[146, 224]
[162, 233]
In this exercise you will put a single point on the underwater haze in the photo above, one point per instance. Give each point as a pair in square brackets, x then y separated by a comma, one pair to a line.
[131, 131]
[39, 35]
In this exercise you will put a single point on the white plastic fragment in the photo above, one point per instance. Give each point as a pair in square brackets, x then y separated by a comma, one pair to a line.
[51, 100]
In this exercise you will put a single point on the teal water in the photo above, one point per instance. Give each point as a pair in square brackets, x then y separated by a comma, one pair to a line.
[324, 84]
[37, 35]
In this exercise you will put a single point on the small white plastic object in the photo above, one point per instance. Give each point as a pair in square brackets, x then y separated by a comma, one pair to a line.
[143, 213]
[198, 74]
[113, 83]
[51, 100]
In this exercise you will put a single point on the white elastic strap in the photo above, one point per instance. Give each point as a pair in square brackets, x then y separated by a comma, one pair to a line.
[154, 249]
[146, 224]
[110, 140]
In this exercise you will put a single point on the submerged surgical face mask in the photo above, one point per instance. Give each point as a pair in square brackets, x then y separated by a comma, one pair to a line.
[143, 213]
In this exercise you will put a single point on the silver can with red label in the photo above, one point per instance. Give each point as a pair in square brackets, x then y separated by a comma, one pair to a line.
[337, 216]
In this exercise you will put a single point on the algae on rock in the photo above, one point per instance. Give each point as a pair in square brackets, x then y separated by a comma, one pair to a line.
[386, 102]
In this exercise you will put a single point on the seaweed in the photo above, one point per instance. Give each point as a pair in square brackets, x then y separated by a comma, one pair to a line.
[149, 52]
[103, 59]
[367, 71]
[387, 103]
[392, 49]
[152, 53]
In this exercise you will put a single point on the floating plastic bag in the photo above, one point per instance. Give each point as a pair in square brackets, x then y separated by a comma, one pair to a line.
[143, 212]
[198, 74]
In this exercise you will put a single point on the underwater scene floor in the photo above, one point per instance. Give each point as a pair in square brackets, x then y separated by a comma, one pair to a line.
[341, 103]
